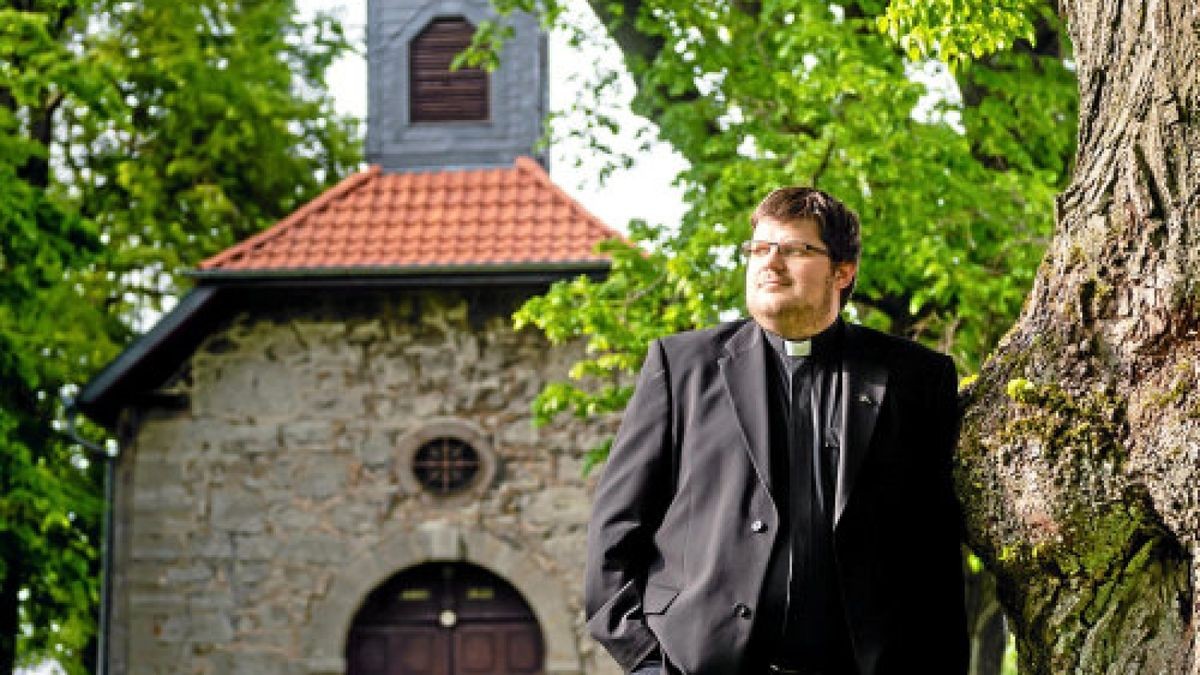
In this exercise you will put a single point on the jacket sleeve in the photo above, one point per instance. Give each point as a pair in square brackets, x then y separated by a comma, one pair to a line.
[631, 499]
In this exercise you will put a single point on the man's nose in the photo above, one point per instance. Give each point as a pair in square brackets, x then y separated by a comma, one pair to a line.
[773, 258]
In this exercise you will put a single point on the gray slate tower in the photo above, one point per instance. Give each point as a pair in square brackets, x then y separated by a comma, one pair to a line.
[422, 116]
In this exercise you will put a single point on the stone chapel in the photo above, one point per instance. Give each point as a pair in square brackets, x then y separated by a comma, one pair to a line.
[327, 460]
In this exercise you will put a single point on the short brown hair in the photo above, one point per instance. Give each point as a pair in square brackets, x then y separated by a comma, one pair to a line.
[837, 225]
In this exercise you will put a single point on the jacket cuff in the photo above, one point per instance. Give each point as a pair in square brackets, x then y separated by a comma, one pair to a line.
[630, 646]
[640, 646]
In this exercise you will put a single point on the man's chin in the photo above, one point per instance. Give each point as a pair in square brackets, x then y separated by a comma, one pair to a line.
[787, 321]
[770, 308]
[771, 317]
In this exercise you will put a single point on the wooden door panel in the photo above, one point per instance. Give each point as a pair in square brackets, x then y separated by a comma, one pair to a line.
[368, 653]
[497, 649]
[399, 650]
[418, 651]
[524, 649]
[477, 651]
[400, 630]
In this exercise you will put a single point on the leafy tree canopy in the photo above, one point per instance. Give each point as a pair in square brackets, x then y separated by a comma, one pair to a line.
[958, 32]
[955, 192]
[136, 138]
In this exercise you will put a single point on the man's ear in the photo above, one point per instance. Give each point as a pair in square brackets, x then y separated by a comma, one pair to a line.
[844, 273]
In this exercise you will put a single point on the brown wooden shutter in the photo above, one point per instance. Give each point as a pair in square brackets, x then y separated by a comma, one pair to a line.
[439, 95]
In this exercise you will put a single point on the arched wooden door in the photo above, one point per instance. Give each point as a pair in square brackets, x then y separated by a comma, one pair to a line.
[445, 619]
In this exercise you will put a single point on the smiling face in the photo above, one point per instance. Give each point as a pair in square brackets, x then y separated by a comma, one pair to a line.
[796, 297]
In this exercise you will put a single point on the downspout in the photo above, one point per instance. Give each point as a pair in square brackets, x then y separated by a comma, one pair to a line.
[109, 451]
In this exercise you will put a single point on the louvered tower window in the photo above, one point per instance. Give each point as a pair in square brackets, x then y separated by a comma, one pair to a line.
[439, 94]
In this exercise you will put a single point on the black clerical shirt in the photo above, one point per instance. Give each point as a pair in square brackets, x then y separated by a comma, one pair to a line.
[801, 622]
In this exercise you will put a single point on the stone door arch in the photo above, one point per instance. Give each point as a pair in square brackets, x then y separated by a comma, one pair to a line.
[445, 618]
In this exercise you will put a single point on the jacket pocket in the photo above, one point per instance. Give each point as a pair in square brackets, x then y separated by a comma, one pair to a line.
[657, 598]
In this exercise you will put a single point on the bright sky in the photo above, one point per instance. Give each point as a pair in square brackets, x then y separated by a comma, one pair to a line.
[642, 191]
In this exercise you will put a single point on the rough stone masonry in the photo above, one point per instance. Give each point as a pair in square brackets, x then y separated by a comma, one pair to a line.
[255, 515]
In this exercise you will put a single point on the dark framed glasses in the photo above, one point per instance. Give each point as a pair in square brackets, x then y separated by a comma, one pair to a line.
[757, 248]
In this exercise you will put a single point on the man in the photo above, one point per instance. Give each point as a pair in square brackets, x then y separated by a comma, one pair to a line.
[778, 498]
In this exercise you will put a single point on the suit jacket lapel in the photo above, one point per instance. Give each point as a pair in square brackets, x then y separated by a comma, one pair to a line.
[744, 369]
[864, 382]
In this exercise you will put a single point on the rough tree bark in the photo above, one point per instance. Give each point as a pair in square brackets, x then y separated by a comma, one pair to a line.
[1079, 466]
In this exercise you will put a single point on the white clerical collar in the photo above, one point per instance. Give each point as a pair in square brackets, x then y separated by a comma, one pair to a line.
[797, 347]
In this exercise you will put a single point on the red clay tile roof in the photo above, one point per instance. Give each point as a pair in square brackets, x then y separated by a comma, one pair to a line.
[373, 221]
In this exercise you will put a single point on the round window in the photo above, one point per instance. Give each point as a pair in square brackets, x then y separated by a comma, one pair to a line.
[446, 461]
[445, 466]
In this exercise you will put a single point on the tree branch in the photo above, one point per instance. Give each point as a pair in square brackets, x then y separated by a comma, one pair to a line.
[895, 308]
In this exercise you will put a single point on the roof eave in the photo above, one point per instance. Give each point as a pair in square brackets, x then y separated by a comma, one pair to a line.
[161, 342]
[467, 270]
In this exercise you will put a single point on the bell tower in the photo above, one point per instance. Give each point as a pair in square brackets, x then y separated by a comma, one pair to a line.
[423, 116]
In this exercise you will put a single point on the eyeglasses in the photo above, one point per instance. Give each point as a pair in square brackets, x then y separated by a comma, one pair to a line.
[756, 248]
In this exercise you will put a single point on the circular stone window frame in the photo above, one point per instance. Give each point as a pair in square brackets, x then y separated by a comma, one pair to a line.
[457, 429]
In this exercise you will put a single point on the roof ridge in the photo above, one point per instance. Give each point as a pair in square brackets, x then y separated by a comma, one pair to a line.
[531, 166]
[347, 184]
[381, 220]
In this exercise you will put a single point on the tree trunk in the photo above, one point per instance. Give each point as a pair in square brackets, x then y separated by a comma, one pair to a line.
[1079, 466]
[10, 585]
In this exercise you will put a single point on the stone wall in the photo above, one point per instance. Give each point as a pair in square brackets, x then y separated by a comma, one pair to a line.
[253, 520]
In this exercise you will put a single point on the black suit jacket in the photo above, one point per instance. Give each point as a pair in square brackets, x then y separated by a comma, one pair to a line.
[684, 523]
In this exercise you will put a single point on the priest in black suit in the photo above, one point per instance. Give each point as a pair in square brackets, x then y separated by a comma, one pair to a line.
[779, 498]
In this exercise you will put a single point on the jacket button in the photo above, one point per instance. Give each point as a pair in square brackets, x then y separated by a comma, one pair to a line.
[758, 526]
[741, 611]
